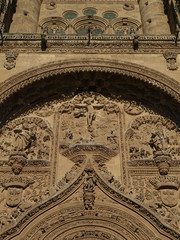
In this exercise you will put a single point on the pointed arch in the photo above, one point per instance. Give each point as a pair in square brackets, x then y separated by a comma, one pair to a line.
[53, 218]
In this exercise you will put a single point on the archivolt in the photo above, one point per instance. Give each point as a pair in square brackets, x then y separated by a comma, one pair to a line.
[140, 73]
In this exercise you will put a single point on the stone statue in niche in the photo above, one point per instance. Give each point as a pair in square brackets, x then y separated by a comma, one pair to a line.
[86, 119]
[88, 190]
[160, 145]
[159, 140]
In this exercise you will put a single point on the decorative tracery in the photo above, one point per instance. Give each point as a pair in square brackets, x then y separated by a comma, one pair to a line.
[96, 25]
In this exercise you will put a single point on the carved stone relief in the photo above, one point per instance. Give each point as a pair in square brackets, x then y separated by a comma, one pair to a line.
[117, 148]
[98, 116]
[167, 205]
[19, 194]
[163, 199]
[90, 130]
[51, 5]
[133, 108]
[161, 135]
[32, 136]
[88, 189]
[171, 60]
[10, 61]
[90, 235]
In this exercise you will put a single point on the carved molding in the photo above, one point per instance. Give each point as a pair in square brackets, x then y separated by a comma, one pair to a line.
[144, 74]
[171, 182]
[84, 1]
[90, 234]
[99, 44]
[16, 181]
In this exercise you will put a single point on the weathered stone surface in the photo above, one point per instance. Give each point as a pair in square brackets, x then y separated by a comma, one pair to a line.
[89, 120]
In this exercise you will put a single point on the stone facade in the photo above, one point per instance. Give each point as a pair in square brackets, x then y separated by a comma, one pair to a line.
[89, 119]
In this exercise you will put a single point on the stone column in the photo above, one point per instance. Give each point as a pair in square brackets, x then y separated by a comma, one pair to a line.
[154, 20]
[25, 20]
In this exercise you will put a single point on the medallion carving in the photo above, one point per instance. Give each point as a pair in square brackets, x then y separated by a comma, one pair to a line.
[13, 202]
[51, 5]
[169, 197]
[20, 194]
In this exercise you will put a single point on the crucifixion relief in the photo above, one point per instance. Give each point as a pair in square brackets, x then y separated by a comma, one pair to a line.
[89, 107]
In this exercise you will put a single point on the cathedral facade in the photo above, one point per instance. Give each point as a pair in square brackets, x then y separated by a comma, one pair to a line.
[89, 120]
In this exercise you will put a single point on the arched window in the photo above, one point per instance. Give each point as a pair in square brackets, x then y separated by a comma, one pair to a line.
[97, 25]
[53, 25]
[125, 26]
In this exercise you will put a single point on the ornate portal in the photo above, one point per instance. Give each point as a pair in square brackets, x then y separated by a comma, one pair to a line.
[88, 145]
[89, 120]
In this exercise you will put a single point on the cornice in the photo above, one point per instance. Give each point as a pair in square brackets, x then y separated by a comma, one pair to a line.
[90, 1]
[31, 43]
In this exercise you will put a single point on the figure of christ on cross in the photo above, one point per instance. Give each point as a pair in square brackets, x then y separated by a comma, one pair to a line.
[90, 108]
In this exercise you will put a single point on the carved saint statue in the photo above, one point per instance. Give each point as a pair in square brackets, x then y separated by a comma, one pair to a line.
[159, 140]
[88, 189]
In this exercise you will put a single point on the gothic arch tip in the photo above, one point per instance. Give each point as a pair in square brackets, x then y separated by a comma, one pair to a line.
[58, 198]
